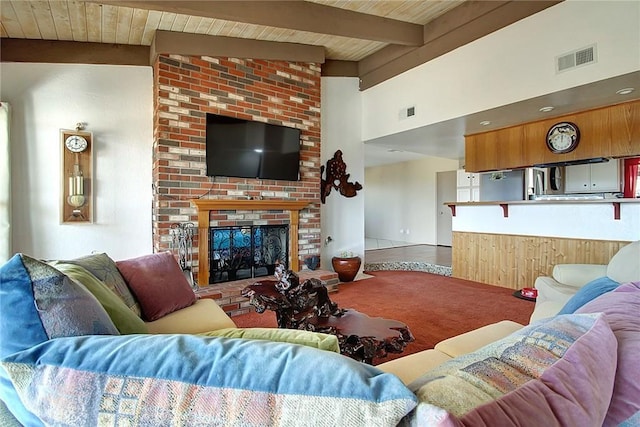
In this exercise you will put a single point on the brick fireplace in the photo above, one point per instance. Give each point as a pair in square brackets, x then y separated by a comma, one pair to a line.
[278, 92]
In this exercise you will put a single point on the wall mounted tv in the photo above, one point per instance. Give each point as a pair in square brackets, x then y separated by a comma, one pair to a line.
[249, 149]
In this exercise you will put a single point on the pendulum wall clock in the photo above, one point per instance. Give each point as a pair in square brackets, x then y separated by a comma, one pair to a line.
[77, 175]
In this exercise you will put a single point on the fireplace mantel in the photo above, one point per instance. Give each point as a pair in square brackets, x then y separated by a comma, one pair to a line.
[205, 206]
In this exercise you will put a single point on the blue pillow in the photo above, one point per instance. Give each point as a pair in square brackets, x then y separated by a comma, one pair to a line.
[588, 292]
[39, 303]
[194, 380]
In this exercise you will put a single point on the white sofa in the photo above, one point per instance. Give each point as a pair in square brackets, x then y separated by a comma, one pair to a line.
[567, 279]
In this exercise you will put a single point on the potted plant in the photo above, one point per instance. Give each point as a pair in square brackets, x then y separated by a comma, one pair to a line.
[346, 265]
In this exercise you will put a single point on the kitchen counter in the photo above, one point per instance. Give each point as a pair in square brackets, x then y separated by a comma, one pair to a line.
[568, 200]
[601, 219]
[510, 243]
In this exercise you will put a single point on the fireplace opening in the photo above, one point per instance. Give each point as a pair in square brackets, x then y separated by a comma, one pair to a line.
[243, 252]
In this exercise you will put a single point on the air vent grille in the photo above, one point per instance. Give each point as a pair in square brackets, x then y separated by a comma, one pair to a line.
[407, 112]
[566, 62]
[584, 56]
[577, 58]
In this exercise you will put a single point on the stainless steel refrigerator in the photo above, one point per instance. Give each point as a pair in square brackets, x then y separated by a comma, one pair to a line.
[502, 186]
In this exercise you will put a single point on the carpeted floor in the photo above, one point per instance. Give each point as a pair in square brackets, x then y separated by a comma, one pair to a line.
[434, 307]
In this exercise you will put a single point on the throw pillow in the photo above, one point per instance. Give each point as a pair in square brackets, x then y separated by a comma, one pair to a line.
[558, 371]
[291, 336]
[622, 310]
[589, 292]
[39, 303]
[105, 269]
[158, 283]
[123, 318]
[157, 380]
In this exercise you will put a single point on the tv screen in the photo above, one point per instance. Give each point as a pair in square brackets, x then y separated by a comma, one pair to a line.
[248, 149]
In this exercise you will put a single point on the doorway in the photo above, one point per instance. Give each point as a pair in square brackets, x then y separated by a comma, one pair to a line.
[446, 192]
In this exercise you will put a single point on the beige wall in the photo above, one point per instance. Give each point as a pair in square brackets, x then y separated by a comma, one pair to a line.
[403, 196]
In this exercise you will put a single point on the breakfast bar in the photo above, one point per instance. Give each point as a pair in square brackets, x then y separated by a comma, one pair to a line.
[510, 243]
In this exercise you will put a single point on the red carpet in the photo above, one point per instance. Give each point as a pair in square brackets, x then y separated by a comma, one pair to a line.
[434, 307]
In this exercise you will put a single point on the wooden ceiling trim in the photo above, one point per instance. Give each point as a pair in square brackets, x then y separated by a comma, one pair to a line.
[333, 68]
[67, 52]
[500, 17]
[296, 15]
[168, 42]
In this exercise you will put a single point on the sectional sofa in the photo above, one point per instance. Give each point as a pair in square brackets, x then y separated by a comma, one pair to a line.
[96, 342]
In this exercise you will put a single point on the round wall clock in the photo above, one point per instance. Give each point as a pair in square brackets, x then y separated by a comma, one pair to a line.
[76, 143]
[563, 137]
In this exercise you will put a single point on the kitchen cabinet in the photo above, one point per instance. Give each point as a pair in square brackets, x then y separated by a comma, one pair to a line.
[605, 132]
[593, 178]
[467, 186]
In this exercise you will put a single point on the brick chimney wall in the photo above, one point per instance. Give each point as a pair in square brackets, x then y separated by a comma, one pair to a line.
[278, 92]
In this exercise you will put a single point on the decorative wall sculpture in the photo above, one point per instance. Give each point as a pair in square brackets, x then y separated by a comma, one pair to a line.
[337, 178]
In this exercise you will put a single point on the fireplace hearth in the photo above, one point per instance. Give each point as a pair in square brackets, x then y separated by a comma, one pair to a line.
[243, 252]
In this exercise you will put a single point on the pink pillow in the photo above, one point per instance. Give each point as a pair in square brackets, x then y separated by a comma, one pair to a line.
[622, 310]
[556, 372]
[158, 284]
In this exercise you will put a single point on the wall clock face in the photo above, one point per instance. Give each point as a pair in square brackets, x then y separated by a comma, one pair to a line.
[563, 137]
[76, 143]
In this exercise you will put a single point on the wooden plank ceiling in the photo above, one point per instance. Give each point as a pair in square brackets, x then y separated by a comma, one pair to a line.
[358, 37]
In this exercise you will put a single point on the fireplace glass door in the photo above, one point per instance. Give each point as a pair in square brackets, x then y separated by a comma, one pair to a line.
[244, 252]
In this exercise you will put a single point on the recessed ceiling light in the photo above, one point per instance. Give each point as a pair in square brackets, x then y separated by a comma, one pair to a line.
[485, 123]
[625, 91]
[546, 109]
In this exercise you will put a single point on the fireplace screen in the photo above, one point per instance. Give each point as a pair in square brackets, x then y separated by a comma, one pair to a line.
[244, 252]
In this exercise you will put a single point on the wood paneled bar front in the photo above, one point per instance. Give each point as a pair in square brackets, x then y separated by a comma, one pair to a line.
[511, 247]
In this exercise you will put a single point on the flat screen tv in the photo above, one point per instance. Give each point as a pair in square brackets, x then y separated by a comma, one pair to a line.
[249, 149]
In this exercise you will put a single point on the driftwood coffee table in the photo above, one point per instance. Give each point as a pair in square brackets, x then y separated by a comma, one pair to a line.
[307, 306]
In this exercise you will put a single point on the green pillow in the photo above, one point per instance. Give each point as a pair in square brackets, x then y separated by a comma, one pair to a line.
[122, 317]
[291, 336]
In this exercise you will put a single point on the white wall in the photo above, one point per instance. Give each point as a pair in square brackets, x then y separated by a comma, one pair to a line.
[509, 65]
[342, 218]
[116, 103]
[5, 184]
[567, 220]
[403, 196]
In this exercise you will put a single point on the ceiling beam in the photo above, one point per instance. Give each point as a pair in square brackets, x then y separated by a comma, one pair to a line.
[68, 52]
[170, 42]
[335, 68]
[394, 60]
[458, 17]
[455, 19]
[293, 14]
